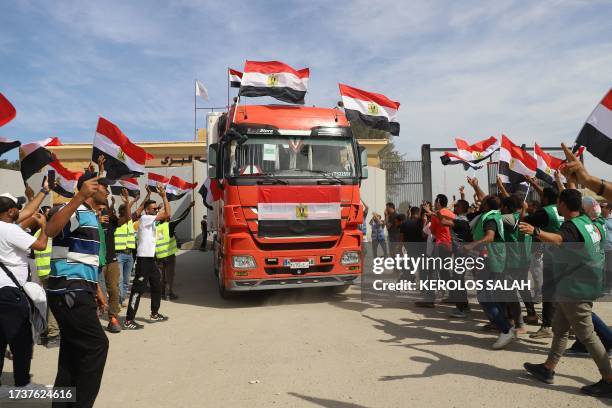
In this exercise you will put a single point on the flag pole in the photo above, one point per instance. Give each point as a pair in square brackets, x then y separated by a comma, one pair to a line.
[195, 112]
[228, 86]
[525, 199]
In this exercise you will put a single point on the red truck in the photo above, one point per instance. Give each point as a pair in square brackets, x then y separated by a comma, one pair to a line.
[290, 210]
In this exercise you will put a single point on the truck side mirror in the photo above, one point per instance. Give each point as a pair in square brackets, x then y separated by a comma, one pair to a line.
[363, 154]
[212, 160]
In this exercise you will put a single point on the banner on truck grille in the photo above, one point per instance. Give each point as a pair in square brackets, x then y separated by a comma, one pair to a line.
[298, 211]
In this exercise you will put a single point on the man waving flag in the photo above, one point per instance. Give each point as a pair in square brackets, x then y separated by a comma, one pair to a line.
[470, 155]
[373, 109]
[177, 188]
[275, 79]
[596, 134]
[65, 180]
[34, 156]
[124, 159]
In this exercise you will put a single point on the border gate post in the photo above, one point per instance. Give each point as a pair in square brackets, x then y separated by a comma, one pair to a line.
[426, 171]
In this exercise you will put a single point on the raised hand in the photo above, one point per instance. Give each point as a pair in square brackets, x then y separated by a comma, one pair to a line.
[89, 188]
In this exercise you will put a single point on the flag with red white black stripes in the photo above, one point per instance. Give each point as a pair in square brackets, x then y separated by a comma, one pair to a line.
[373, 109]
[177, 188]
[470, 155]
[124, 159]
[35, 156]
[275, 79]
[6, 145]
[65, 179]
[130, 184]
[210, 192]
[153, 179]
[596, 134]
[235, 77]
[514, 164]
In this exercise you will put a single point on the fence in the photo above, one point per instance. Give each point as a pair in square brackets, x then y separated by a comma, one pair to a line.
[404, 181]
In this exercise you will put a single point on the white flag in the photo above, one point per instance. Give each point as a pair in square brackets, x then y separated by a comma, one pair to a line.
[201, 90]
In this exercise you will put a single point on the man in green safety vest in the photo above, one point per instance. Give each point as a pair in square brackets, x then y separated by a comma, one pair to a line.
[42, 260]
[578, 276]
[125, 244]
[165, 252]
[548, 219]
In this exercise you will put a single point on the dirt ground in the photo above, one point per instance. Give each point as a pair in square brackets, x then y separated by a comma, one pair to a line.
[312, 348]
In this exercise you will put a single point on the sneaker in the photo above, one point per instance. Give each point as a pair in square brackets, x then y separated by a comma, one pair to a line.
[531, 320]
[173, 296]
[132, 325]
[158, 317]
[599, 389]
[543, 333]
[504, 339]
[53, 342]
[429, 305]
[540, 372]
[458, 314]
[113, 325]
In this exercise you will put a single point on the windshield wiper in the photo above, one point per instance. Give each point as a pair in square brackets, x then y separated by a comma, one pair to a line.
[326, 174]
[270, 177]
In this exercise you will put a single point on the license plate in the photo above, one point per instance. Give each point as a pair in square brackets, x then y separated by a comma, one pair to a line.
[299, 264]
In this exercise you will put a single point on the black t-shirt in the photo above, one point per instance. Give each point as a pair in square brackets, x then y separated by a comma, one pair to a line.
[569, 232]
[109, 236]
[411, 230]
[538, 219]
[462, 231]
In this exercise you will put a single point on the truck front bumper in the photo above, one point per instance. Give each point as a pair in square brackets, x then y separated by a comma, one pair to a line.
[291, 283]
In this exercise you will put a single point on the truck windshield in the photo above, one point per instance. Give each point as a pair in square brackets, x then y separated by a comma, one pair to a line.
[289, 156]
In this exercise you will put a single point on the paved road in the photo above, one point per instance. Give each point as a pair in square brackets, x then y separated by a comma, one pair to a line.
[310, 348]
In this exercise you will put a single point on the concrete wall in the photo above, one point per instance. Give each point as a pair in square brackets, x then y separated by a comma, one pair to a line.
[374, 191]
[11, 182]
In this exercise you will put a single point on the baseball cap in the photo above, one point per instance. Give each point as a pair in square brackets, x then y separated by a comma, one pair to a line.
[8, 201]
[89, 175]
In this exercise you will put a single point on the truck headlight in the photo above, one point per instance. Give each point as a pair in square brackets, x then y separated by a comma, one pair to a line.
[243, 262]
[350, 258]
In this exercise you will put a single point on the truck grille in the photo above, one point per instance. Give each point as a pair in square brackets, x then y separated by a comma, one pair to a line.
[285, 270]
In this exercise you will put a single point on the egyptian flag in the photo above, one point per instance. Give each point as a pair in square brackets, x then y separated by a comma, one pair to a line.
[153, 179]
[35, 156]
[65, 180]
[470, 155]
[298, 211]
[177, 188]
[7, 111]
[596, 134]
[548, 164]
[131, 185]
[124, 159]
[515, 163]
[374, 110]
[235, 77]
[275, 79]
[6, 145]
[210, 192]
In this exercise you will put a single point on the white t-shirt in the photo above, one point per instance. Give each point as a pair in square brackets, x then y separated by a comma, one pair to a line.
[146, 236]
[15, 246]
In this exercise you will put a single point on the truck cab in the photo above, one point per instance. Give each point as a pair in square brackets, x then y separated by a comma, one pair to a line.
[290, 209]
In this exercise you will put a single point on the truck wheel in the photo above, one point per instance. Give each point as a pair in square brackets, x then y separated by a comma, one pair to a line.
[223, 292]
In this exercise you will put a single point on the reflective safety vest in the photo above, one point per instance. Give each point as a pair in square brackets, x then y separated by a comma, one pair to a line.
[124, 237]
[43, 258]
[165, 246]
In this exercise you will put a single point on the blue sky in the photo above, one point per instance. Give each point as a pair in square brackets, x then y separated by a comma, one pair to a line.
[533, 70]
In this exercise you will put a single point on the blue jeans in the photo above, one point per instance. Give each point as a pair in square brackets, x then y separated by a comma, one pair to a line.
[126, 265]
[603, 332]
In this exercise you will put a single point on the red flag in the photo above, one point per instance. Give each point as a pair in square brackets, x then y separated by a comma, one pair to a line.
[7, 111]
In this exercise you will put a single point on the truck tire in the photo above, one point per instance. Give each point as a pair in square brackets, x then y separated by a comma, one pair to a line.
[223, 292]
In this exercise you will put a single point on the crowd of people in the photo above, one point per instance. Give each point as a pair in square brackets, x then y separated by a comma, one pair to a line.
[85, 253]
[520, 240]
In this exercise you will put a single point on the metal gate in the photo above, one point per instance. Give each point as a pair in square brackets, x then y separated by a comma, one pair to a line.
[404, 183]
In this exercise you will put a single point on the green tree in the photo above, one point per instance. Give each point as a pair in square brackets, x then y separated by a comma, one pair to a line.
[11, 165]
